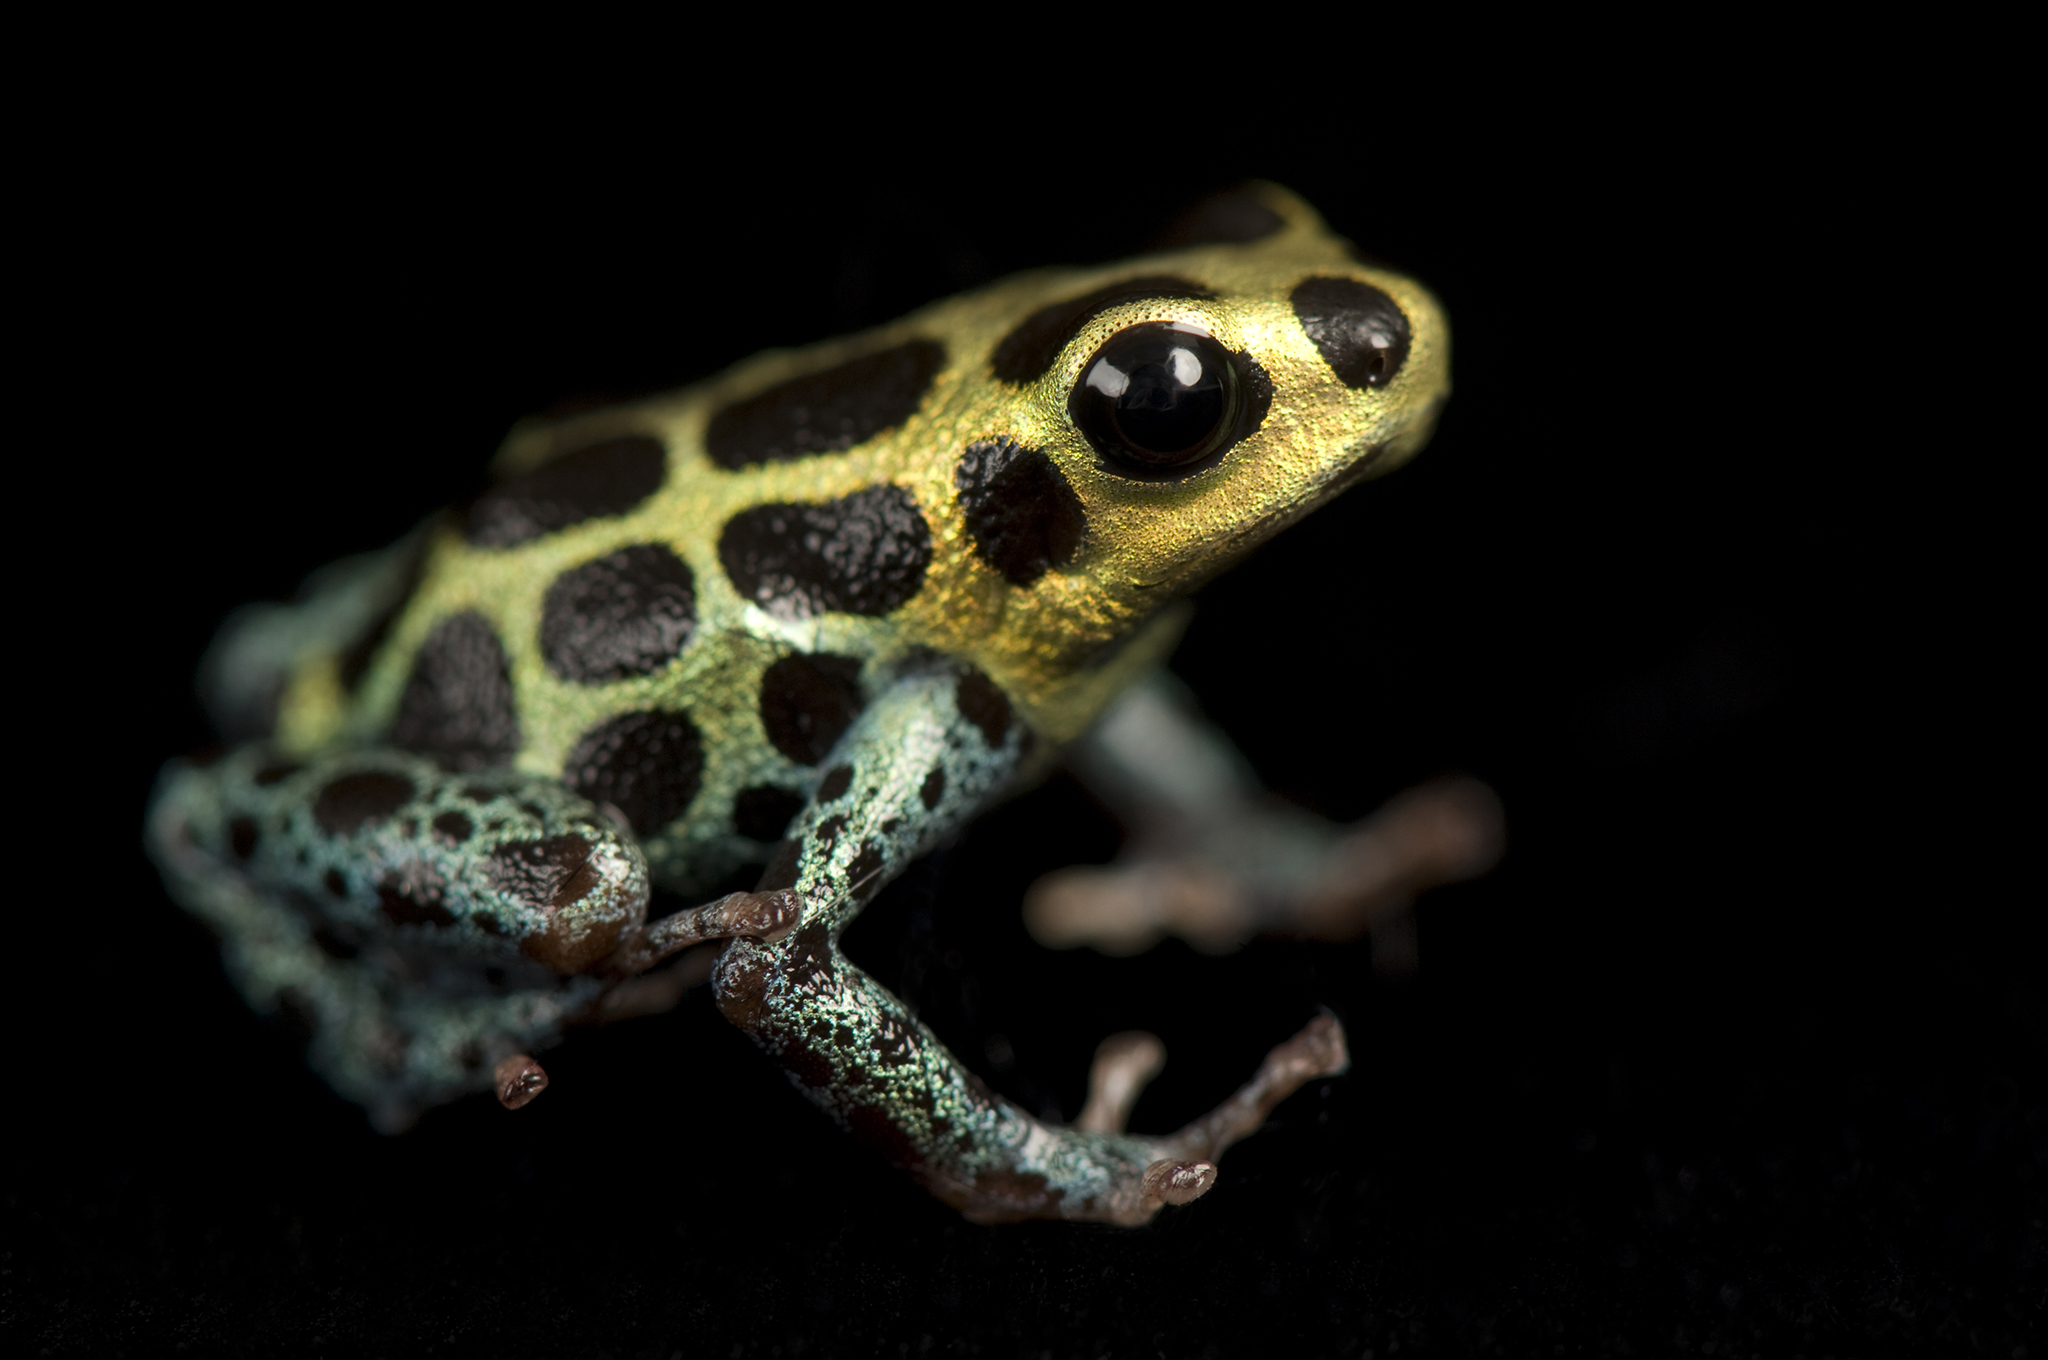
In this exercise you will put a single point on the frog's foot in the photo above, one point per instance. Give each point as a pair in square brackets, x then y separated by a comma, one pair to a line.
[1293, 877]
[854, 1049]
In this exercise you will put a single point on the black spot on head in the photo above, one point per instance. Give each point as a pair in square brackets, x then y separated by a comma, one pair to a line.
[1361, 333]
[807, 703]
[763, 813]
[627, 613]
[837, 781]
[783, 867]
[458, 705]
[604, 479]
[1028, 351]
[982, 704]
[863, 876]
[862, 554]
[933, 789]
[454, 826]
[647, 765]
[545, 875]
[1022, 515]
[336, 885]
[826, 412]
[242, 837]
[355, 800]
[1234, 217]
[275, 774]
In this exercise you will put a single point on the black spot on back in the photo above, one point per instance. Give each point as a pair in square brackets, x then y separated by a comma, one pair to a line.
[933, 789]
[1028, 351]
[647, 765]
[763, 812]
[626, 613]
[335, 884]
[808, 702]
[1234, 217]
[604, 479]
[454, 826]
[242, 837]
[984, 705]
[1361, 333]
[1022, 515]
[545, 875]
[837, 781]
[458, 705]
[355, 800]
[862, 554]
[826, 412]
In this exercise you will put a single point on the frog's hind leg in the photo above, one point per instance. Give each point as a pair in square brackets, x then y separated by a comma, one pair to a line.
[1214, 859]
[921, 758]
[417, 927]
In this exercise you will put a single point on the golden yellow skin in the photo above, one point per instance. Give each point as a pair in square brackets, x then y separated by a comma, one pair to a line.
[1048, 645]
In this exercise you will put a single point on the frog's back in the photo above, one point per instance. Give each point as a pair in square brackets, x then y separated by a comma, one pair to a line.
[680, 604]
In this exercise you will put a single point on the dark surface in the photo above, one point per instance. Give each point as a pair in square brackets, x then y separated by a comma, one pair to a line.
[1741, 1047]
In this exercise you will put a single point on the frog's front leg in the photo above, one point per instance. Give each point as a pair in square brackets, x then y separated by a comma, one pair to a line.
[921, 760]
[1215, 859]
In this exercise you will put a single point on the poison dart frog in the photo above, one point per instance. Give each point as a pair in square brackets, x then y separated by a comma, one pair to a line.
[810, 616]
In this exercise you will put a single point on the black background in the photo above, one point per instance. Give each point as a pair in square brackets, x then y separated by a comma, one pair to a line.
[1738, 1052]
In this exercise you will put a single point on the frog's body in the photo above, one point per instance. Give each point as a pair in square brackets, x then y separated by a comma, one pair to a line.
[813, 613]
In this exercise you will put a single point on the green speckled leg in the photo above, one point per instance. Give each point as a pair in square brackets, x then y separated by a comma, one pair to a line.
[920, 759]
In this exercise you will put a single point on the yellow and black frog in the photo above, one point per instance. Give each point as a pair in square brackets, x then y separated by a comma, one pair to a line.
[811, 616]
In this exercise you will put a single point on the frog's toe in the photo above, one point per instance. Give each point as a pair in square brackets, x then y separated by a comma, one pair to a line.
[1124, 1063]
[765, 916]
[1319, 1050]
[1175, 1183]
[519, 1080]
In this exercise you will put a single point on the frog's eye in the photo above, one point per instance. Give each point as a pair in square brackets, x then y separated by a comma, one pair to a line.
[1158, 397]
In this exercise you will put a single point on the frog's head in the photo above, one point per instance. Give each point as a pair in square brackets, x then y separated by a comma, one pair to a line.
[1157, 420]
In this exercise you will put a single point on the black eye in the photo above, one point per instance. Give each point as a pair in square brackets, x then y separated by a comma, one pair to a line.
[1157, 396]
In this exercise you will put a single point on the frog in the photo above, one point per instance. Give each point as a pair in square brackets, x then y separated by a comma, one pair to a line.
[754, 647]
